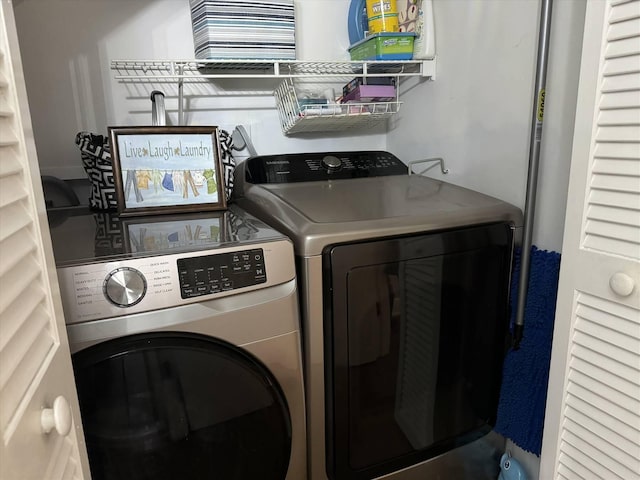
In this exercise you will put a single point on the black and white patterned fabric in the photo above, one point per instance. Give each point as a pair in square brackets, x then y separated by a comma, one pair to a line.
[109, 235]
[228, 162]
[96, 160]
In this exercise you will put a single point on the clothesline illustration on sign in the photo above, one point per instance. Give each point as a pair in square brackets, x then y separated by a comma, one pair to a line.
[176, 181]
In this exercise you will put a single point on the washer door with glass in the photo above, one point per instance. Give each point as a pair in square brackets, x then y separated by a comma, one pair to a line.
[180, 406]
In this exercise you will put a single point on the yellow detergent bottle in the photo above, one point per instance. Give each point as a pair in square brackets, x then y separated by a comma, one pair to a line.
[382, 16]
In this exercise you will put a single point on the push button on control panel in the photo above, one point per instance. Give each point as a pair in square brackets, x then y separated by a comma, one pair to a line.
[221, 272]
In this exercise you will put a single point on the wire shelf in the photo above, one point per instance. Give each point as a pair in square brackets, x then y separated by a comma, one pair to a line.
[297, 118]
[343, 120]
[294, 118]
[193, 70]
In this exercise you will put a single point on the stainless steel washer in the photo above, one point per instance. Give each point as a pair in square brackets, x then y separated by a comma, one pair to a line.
[404, 284]
[185, 342]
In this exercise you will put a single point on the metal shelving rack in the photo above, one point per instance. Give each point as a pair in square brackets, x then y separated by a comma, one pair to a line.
[289, 71]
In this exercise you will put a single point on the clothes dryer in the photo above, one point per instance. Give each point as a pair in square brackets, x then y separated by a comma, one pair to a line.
[185, 343]
[404, 285]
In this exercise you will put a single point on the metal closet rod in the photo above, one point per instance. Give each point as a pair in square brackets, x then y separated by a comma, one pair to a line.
[158, 117]
[534, 161]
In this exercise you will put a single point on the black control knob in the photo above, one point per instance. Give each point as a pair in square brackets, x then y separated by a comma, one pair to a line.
[124, 287]
[331, 163]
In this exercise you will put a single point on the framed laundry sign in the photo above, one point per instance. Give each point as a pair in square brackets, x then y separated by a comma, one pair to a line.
[167, 169]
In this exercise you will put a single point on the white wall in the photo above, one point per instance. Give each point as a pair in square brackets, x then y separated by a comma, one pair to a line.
[477, 114]
[67, 47]
[557, 134]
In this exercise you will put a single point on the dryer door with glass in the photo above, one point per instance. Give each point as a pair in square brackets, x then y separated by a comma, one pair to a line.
[415, 336]
[180, 406]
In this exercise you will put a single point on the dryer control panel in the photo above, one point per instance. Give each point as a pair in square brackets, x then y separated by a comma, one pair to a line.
[315, 167]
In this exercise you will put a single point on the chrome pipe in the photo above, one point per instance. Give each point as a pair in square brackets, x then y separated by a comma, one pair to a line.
[158, 113]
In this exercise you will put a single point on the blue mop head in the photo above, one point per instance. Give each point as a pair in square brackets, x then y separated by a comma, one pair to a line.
[526, 371]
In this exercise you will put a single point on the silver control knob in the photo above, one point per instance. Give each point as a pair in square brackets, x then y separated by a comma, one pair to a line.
[124, 287]
[331, 163]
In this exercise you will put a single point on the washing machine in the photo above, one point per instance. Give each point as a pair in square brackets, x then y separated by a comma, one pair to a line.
[404, 283]
[185, 341]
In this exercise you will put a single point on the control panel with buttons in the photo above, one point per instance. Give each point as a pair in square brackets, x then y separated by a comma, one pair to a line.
[221, 272]
[313, 167]
[108, 289]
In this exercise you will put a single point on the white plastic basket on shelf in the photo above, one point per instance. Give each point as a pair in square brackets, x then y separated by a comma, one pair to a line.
[297, 118]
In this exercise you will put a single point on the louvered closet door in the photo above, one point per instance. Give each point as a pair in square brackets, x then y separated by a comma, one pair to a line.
[35, 364]
[592, 425]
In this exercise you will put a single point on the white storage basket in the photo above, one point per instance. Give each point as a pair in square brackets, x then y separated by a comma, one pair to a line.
[297, 118]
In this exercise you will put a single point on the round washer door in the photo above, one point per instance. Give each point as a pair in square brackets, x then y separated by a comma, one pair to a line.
[180, 406]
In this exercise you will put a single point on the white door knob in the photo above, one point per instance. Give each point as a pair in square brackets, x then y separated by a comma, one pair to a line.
[58, 417]
[621, 284]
